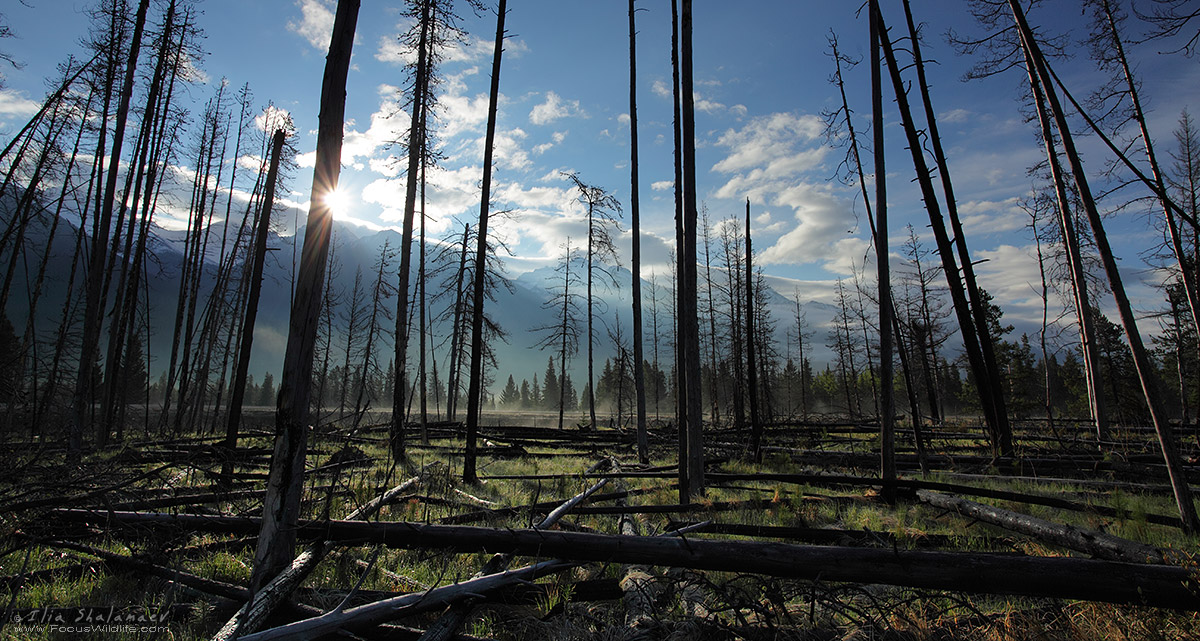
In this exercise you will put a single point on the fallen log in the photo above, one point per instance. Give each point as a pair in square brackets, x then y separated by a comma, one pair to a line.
[367, 616]
[373, 614]
[199, 583]
[450, 621]
[1098, 544]
[640, 589]
[260, 605]
[828, 536]
[33, 504]
[989, 573]
[483, 515]
[71, 572]
[917, 484]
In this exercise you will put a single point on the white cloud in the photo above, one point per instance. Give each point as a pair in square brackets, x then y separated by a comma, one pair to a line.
[391, 51]
[389, 123]
[449, 193]
[509, 153]
[553, 109]
[986, 216]
[770, 161]
[14, 103]
[458, 113]
[1009, 273]
[954, 115]
[661, 88]
[662, 185]
[315, 24]
[273, 118]
[471, 50]
[252, 162]
[555, 139]
[705, 105]
[768, 140]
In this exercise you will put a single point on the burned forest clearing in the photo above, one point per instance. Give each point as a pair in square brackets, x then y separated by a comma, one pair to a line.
[1064, 543]
[852, 342]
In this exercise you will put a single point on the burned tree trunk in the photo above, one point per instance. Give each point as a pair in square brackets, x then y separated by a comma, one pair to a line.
[257, 259]
[475, 384]
[967, 327]
[639, 372]
[887, 405]
[93, 301]
[689, 323]
[1079, 288]
[1000, 428]
[415, 145]
[281, 506]
[756, 428]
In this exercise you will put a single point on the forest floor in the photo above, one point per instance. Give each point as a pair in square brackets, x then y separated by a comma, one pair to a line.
[73, 560]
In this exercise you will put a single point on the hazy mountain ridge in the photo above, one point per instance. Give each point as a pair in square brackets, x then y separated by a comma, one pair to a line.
[518, 311]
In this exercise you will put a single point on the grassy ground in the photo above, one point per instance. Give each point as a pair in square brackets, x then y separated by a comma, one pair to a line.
[692, 605]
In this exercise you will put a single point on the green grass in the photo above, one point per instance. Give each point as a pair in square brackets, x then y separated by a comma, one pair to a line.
[927, 616]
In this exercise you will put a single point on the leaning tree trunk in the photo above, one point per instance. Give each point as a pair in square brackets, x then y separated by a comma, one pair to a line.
[1170, 449]
[967, 328]
[1002, 429]
[475, 389]
[93, 303]
[1079, 288]
[1186, 275]
[685, 492]
[285, 484]
[257, 259]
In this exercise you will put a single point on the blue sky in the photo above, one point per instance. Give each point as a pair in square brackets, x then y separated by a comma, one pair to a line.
[761, 73]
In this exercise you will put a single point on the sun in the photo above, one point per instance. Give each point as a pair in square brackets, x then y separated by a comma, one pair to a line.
[338, 202]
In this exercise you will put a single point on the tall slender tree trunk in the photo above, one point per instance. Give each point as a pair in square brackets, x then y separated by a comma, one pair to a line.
[712, 326]
[416, 136]
[950, 267]
[681, 417]
[887, 406]
[756, 428]
[423, 328]
[591, 361]
[639, 374]
[690, 335]
[1187, 276]
[1000, 427]
[285, 484]
[122, 311]
[1042, 342]
[456, 347]
[475, 391]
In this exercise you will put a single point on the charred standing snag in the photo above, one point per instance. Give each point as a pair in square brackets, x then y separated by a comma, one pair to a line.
[887, 406]
[475, 388]
[639, 372]
[281, 505]
[256, 275]
[998, 432]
